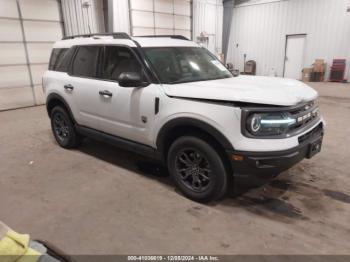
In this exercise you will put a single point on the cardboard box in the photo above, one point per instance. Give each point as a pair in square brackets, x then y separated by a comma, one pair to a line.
[306, 74]
[221, 57]
[319, 66]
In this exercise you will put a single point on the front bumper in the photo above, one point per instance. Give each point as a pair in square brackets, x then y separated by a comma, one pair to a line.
[269, 164]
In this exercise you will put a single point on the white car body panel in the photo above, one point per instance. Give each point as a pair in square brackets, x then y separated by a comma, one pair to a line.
[129, 113]
[226, 119]
[53, 83]
[250, 89]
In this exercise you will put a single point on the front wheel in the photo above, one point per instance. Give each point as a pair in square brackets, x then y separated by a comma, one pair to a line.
[198, 169]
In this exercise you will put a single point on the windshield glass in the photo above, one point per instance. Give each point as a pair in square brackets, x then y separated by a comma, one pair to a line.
[185, 64]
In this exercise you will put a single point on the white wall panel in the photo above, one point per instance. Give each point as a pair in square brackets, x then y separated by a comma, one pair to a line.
[40, 9]
[241, 3]
[142, 4]
[210, 22]
[208, 19]
[83, 19]
[260, 31]
[39, 52]
[182, 7]
[37, 72]
[8, 9]
[118, 16]
[164, 6]
[161, 17]
[22, 62]
[16, 97]
[14, 76]
[142, 19]
[10, 30]
[39, 94]
[98, 16]
[42, 31]
[161, 31]
[182, 22]
[12, 54]
[164, 21]
[143, 31]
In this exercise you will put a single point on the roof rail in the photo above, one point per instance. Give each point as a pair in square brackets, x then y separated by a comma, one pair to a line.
[117, 35]
[170, 36]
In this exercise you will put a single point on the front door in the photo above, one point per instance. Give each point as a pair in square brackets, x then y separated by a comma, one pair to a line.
[294, 58]
[127, 112]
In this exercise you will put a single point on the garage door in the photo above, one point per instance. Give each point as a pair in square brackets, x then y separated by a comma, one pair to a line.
[28, 29]
[161, 17]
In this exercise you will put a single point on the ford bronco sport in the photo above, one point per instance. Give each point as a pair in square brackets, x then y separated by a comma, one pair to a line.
[168, 98]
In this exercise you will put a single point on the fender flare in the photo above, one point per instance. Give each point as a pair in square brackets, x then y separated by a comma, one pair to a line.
[54, 96]
[191, 122]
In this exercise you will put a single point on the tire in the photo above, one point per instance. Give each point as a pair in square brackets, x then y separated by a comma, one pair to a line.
[197, 169]
[63, 128]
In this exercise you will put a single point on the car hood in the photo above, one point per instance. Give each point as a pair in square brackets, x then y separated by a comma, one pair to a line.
[250, 89]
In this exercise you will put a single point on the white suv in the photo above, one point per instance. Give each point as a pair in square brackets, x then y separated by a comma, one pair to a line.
[170, 99]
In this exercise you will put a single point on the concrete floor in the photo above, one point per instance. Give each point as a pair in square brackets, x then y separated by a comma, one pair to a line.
[98, 200]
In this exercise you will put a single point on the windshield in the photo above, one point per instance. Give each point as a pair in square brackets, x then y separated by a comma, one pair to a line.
[185, 64]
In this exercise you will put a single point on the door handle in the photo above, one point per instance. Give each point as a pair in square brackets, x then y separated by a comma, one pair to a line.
[105, 93]
[68, 87]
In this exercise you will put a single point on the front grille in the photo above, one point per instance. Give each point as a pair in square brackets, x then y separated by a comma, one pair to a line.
[304, 115]
[317, 130]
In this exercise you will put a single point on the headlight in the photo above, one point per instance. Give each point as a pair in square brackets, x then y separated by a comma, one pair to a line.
[269, 124]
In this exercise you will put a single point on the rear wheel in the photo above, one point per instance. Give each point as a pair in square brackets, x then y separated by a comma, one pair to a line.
[198, 169]
[63, 128]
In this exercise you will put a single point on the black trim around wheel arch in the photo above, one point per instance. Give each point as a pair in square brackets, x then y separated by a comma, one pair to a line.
[128, 145]
[54, 96]
[191, 122]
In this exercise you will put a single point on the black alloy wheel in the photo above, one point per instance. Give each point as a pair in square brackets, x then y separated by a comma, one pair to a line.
[63, 128]
[198, 168]
[194, 169]
[60, 127]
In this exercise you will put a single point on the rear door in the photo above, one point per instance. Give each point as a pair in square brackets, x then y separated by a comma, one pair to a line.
[83, 85]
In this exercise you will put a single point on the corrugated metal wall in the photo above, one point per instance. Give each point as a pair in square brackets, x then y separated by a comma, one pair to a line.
[208, 17]
[260, 30]
[83, 16]
[118, 16]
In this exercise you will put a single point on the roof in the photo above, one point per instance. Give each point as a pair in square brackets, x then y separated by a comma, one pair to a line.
[163, 41]
[150, 41]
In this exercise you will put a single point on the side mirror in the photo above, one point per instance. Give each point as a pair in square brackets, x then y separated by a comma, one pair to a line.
[131, 79]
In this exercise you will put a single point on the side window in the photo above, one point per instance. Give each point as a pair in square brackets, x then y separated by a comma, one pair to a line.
[119, 60]
[85, 61]
[56, 57]
[63, 64]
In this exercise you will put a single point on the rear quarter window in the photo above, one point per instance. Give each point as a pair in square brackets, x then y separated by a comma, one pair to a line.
[56, 56]
[65, 61]
[61, 58]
